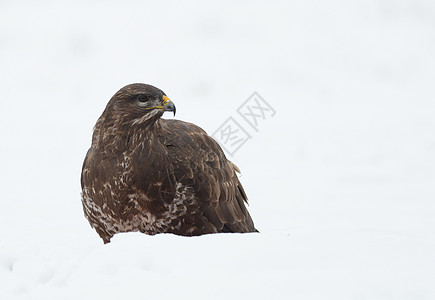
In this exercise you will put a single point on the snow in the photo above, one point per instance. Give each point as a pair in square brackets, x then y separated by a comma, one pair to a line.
[340, 180]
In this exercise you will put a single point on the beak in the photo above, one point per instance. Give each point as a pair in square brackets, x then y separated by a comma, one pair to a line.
[168, 105]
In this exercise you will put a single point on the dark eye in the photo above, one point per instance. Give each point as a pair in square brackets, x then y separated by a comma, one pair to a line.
[142, 98]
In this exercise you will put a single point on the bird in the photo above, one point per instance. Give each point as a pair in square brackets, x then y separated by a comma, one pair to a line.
[153, 175]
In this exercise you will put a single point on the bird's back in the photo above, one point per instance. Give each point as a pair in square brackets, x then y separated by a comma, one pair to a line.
[199, 162]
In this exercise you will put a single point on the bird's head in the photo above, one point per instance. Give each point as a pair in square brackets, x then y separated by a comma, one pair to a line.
[138, 103]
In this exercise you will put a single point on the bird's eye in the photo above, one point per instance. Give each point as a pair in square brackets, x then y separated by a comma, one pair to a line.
[142, 98]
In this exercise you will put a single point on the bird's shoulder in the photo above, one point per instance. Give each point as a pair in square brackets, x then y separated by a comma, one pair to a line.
[189, 143]
[180, 129]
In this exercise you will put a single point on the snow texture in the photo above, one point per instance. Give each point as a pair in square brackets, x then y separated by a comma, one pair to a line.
[340, 180]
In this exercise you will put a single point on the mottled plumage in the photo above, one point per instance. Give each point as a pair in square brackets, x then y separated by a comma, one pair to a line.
[143, 173]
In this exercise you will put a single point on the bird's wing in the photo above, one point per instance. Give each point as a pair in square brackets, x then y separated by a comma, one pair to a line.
[199, 162]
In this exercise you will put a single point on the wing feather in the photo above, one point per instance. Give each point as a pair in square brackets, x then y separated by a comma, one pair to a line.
[215, 183]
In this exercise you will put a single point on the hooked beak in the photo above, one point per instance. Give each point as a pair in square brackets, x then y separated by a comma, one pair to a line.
[168, 105]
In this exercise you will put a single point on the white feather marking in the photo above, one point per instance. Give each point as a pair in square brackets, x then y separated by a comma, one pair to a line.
[144, 221]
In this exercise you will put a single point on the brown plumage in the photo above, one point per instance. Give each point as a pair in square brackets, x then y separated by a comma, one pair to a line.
[143, 173]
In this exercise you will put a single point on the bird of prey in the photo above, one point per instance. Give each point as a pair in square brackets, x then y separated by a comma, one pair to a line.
[148, 174]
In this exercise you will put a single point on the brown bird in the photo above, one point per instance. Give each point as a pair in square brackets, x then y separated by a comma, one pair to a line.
[143, 173]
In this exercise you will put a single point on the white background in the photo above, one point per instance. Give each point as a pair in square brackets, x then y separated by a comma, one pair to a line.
[340, 180]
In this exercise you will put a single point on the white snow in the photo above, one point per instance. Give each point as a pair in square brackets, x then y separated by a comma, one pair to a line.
[340, 180]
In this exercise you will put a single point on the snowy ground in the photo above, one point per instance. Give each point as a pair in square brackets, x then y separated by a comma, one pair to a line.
[341, 180]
